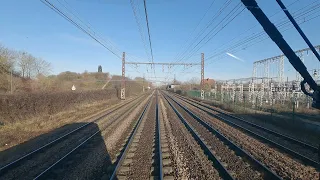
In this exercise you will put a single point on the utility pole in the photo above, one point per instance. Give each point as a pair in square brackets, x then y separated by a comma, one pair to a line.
[143, 83]
[202, 75]
[168, 64]
[11, 90]
[123, 82]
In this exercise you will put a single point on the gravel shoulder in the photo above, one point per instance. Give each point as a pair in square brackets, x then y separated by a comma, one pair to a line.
[276, 123]
[237, 166]
[99, 162]
[279, 162]
[190, 162]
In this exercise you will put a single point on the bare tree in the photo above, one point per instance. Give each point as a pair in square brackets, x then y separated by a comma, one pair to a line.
[42, 67]
[30, 64]
[7, 58]
[22, 63]
[194, 83]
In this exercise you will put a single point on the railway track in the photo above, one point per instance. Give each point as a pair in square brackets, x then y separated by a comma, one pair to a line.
[299, 150]
[230, 160]
[141, 157]
[164, 136]
[188, 160]
[36, 165]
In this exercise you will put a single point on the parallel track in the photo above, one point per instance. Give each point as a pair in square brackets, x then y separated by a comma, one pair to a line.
[49, 172]
[19, 162]
[267, 173]
[159, 148]
[121, 165]
[219, 166]
[242, 125]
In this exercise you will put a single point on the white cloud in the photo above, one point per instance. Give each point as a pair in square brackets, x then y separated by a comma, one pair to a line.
[229, 54]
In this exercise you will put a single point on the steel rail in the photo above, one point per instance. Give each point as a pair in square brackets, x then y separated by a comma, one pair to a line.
[127, 146]
[17, 162]
[287, 150]
[46, 172]
[159, 137]
[286, 137]
[268, 173]
[217, 164]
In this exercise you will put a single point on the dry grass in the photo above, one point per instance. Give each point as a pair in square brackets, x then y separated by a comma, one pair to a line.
[18, 132]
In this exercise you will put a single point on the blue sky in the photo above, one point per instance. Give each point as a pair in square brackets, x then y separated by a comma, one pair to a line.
[33, 27]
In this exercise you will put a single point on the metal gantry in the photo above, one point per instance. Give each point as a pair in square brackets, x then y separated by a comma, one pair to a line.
[267, 86]
[123, 83]
[168, 64]
[202, 75]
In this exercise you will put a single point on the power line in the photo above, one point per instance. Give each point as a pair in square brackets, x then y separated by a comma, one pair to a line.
[142, 36]
[68, 18]
[229, 18]
[214, 33]
[266, 37]
[284, 23]
[262, 34]
[203, 30]
[146, 13]
[196, 27]
[84, 27]
[256, 25]
[254, 36]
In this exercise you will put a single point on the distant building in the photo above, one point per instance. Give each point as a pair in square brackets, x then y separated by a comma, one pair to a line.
[209, 83]
[172, 86]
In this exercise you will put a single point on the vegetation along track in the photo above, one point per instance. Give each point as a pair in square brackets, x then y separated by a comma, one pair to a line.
[280, 162]
[141, 157]
[302, 151]
[49, 155]
[231, 161]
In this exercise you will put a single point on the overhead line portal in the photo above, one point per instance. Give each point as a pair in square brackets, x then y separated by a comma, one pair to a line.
[169, 64]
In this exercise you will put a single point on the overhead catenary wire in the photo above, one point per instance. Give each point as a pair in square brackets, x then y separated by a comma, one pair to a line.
[247, 41]
[73, 12]
[252, 27]
[203, 30]
[298, 14]
[224, 56]
[298, 28]
[53, 7]
[84, 27]
[196, 27]
[214, 31]
[254, 36]
[142, 35]
[261, 38]
[194, 50]
[150, 43]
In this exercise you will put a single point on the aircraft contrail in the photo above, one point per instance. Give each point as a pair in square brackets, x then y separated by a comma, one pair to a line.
[235, 57]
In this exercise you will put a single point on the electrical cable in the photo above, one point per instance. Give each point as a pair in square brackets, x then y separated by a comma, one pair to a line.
[146, 13]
